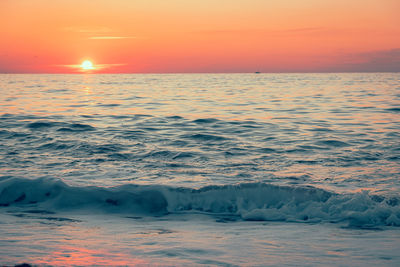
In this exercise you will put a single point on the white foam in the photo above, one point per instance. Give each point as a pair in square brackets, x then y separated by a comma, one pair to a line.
[252, 201]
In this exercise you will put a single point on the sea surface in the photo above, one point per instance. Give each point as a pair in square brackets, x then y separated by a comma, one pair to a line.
[200, 169]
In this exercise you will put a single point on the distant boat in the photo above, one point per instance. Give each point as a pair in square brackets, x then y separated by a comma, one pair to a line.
[257, 72]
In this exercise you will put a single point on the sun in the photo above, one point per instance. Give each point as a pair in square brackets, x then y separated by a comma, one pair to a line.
[87, 65]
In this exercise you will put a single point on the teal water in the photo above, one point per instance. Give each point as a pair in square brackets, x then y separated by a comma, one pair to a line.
[200, 169]
[334, 131]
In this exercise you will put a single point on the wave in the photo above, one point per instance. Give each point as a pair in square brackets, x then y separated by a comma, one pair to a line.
[63, 127]
[248, 201]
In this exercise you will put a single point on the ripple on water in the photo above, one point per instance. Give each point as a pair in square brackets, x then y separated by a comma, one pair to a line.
[145, 129]
[40, 125]
[333, 143]
[76, 127]
[205, 120]
[205, 137]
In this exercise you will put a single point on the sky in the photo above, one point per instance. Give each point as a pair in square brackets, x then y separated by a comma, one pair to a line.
[184, 36]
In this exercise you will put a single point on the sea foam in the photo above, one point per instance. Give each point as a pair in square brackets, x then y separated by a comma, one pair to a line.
[247, 201]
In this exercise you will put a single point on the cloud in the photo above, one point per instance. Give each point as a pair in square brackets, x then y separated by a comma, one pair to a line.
[273, 32]
[96, 67]
[92, 30]
[373, 61]
[97, 33]
[304, 30]
[110, 37]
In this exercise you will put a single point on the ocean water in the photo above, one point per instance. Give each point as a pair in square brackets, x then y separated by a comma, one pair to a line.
[200, 169]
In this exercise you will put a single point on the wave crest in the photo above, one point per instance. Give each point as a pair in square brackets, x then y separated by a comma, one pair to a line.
[249, 201]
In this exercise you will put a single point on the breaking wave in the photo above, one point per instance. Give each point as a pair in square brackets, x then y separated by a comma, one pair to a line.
[248, 201]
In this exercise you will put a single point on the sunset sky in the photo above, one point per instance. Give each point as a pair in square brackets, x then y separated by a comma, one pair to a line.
[160, 36]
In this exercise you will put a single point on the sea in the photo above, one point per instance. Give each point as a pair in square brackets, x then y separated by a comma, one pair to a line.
[200, 169]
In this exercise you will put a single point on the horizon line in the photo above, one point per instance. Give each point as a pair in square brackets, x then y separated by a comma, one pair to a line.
[255, 72]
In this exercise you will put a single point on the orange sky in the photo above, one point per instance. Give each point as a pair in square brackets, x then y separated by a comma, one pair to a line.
[147, 36]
